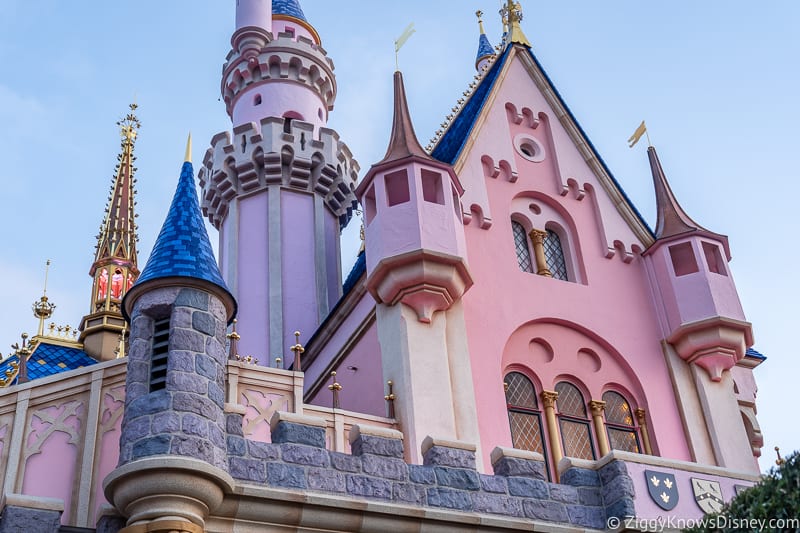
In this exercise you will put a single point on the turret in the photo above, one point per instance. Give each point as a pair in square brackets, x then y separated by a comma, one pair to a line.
[279, 187]
[485, 50]
[172, 446]
[417, 272]
[114, 269]
[704, 325]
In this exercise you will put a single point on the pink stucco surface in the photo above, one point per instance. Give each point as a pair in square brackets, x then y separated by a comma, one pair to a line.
[332, 259]
[279, 99]
[607, 310]
[287, 26]
[252, 282]
[256, 13]
[298, 269]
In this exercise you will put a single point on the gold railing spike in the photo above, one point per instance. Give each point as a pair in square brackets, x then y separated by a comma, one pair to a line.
[390, 398]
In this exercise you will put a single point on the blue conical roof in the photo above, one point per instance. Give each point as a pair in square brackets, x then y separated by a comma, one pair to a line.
[289, 8]
[484, 48]
[183, 249]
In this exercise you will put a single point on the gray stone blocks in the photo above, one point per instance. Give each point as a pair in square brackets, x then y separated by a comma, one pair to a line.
[299, 433]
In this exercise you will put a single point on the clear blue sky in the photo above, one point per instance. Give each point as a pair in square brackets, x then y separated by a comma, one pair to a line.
[717, 82]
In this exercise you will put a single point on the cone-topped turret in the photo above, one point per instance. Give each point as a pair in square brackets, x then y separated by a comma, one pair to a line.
[485, 50]
[182, 255]
[671, 219]
[115, 268]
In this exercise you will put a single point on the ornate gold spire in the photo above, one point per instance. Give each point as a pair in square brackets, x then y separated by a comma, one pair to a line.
[511, 14]
[479, 14]
[188, 158]
[43, 308]
[115, 263]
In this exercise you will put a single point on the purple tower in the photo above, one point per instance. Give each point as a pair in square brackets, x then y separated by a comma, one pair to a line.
[279, 187]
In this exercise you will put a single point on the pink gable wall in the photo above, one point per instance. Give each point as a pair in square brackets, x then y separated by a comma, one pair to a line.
[610, 307]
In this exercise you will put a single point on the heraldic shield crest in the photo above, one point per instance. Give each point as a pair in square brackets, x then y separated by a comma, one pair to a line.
[662, 488]
[708, 495]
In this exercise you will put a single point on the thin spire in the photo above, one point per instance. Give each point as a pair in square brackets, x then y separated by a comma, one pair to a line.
[671, 218]
[403, 141]
[485, 50]
[511, 13]
[43, 308]
[188, 158]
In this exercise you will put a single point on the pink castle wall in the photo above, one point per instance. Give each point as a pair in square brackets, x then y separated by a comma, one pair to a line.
[253, 289]
[609, 311]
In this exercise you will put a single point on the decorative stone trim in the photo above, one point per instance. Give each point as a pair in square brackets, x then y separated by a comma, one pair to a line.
[373, 431]
[450, 453]
[429, 442]
[518, 463]
[294, 418]
[31, 502]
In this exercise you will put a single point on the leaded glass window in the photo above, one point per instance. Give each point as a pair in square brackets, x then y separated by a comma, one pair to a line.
[521, 245]
[554, 255]
[524, 415]
[576, 433]
[620, 423]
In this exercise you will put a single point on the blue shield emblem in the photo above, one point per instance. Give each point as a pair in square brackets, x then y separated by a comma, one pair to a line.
[663, 489]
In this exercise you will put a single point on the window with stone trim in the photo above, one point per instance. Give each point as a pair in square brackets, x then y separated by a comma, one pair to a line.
[524, 259]
[573, 422]
[554, 255]
[620, 423]
[524, 415]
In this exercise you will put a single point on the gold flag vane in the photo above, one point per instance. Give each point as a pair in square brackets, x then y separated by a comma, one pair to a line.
[641, 130]
[398, 44]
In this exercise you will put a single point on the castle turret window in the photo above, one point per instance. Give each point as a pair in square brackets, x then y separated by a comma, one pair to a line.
[158, 359]
[521, 246]
[620, 423]
[573, 422]
[554, 256]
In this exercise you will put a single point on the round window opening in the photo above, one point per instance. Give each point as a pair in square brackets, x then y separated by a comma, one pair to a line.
[529, 148]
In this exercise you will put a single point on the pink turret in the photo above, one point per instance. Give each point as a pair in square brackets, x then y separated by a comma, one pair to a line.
[279, 188]
[704, 327]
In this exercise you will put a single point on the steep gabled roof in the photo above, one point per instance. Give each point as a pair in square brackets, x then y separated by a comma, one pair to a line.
[46, 360]
[290, 8]
[451, 145]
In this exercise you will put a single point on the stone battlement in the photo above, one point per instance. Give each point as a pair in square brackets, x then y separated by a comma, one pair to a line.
[254, 157]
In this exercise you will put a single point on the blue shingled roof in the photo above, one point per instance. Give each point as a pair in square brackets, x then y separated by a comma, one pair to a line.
[453, 141]
[48, 360]
[182, 248]
[356, 272]
[484, 48]
[290, 8]
[755, 353]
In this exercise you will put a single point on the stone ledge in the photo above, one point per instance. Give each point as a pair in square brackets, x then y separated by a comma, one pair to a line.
[31, 502]
[235, 408]
[294, 418]
[430, 442]
[501, 452]
[373, 431]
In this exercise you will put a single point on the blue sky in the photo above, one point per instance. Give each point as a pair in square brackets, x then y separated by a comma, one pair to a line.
[716, 81]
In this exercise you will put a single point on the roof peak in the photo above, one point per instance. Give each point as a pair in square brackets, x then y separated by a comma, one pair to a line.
[511, 14]
[289, 8]
[671, 218]
[403, 141]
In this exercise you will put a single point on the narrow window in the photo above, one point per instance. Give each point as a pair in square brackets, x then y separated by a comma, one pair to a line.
[554, 256]
[257, 100]
[683, 259]
[397, 191]
[576, 433]
[714, 258]
[370, 205]
[521, 247]
[432, 187]
[524, 415]
[620, 423]
[158, 361]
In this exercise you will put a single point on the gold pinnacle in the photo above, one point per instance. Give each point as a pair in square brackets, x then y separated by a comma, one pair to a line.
[188, 158]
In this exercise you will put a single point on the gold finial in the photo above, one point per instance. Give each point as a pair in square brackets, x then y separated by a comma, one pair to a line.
[233, 350]
[129, 126]
[335, 388]
[479, 14]
[298, 351]
[363, 238]
[780, 461]
[390, 397]
[120, 350]
[511, 14]
[43, 309]
[23, 353]
[188, 158]
[278, 362]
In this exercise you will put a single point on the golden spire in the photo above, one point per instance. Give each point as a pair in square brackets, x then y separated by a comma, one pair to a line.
[43, 308]
[511, 14]
[479, 14]
[188, 158]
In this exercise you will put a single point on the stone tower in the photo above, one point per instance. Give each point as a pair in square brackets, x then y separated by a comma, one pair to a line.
[173, 462]
[279, 187]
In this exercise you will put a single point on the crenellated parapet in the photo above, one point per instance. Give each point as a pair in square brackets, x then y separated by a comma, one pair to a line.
[257, 58]
[281, 152]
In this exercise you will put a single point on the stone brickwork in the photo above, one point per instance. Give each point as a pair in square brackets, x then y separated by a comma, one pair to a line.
[186, 418]
[298, 460]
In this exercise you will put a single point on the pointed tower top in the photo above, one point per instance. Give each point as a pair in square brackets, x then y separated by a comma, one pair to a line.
[672, 220]
[511, 14]
[485, 50]
[182, 254]
[188, 158]
[403, 141]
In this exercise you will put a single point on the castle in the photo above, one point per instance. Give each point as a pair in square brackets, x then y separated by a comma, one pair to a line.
[520, 349]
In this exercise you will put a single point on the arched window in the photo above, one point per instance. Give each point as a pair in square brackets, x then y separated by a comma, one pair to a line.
[576, 433]
[554, 255]
[524, 415]
[521, 245]
[620, 423]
